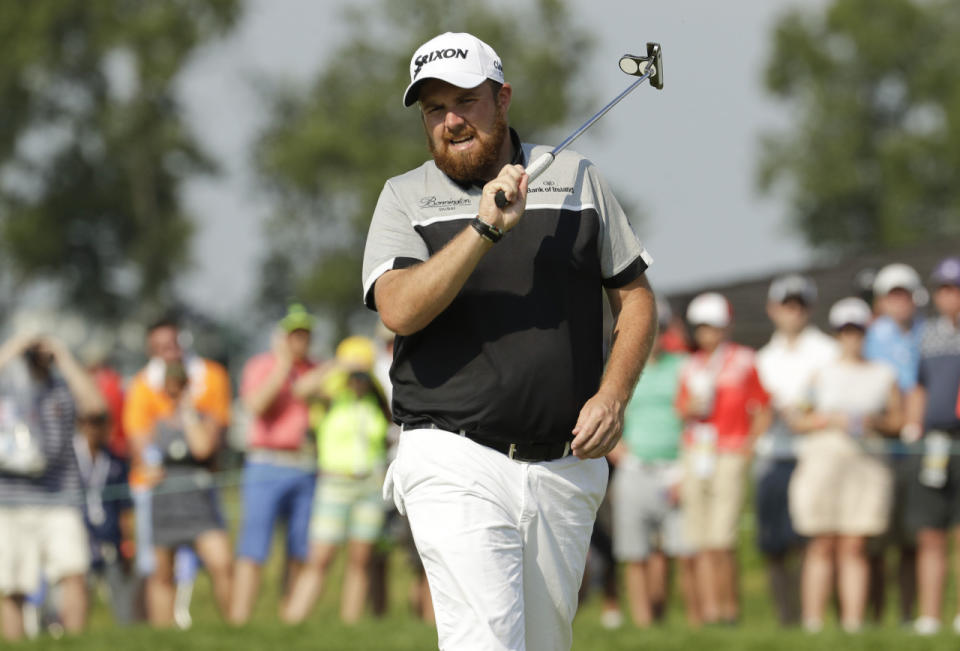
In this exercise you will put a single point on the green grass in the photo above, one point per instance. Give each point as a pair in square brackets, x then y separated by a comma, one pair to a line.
[400, 631]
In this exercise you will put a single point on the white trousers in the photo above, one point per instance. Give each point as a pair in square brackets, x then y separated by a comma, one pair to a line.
[504, 543]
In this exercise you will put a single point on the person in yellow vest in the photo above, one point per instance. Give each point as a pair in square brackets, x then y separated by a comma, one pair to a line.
[351, 446]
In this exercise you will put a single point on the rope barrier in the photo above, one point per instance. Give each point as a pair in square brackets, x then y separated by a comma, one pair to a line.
[202, 480]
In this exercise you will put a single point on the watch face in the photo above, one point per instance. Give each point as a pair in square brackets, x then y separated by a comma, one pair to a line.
[177, 450]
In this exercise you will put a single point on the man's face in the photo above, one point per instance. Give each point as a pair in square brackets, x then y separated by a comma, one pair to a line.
[850, 338]
[163, 343]
[299, 342]
[898, 305]
[708, 337]
[466, 127]
[947, 300]
[95, 427]
[791, 316]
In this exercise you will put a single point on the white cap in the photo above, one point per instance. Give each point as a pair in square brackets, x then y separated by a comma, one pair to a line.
[896, 276]
[710, 309]
[457, 58]
[793, 286]
[850, 311]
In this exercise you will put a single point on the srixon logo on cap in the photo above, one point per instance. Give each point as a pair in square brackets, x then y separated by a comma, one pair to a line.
[449, 53]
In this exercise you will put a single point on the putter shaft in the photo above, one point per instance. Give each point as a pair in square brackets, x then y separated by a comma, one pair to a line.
[537, 167]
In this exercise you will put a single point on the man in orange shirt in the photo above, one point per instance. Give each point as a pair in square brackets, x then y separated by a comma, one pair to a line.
[147, 402]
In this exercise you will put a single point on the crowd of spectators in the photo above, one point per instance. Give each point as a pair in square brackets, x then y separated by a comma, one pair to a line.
[848, 438]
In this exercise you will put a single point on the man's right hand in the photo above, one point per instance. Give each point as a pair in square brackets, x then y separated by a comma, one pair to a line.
[281, 348]
[512, 180]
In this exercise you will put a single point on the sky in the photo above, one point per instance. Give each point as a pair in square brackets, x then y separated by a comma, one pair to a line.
[686, 155]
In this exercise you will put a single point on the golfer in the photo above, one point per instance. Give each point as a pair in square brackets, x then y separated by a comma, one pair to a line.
[498, 371]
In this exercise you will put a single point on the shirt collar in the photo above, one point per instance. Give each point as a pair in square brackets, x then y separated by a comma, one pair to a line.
[518, 159]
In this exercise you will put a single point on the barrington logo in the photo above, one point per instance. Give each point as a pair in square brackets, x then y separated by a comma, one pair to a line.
[449, 53]
[443, 204]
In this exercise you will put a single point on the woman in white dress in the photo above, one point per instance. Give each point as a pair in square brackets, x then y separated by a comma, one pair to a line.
[840, 493]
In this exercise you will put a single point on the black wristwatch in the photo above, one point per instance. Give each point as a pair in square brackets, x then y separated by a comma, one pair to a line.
[486, 231]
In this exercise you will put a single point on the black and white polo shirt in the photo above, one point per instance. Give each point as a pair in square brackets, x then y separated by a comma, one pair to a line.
[519, 351]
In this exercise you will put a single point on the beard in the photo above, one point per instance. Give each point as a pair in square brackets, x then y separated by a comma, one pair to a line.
[478, 164]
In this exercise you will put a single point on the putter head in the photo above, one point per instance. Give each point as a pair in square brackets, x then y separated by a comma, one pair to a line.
[637, 66]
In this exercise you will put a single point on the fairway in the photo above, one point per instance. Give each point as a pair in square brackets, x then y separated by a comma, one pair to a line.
[401, 632]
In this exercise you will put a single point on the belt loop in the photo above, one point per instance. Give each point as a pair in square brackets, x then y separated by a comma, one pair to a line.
[512, 451]
[566, 450]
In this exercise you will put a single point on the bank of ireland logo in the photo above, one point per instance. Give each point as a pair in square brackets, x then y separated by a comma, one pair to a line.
[438, 55]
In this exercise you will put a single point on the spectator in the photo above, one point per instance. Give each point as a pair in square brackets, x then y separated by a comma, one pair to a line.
[280, 471]
[351, 441]
[724, 407]
[894, 338]
[43, 388]
[647, 518]
[107, 512]
[841, 491]
[110, 383]
[786, 366]
[933, 498]
[147, 403]
[186, 508]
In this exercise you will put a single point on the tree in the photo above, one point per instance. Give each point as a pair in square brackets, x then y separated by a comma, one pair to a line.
[93, 144]
[326, 154]
[872, 156]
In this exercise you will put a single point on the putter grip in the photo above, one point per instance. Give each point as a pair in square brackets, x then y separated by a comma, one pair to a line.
[535, 169]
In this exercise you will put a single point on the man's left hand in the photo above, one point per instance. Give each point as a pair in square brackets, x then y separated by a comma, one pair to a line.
[598, 428]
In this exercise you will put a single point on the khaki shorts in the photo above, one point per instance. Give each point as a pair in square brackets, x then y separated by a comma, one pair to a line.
[839, 489]
[40, 541]
[711, 505]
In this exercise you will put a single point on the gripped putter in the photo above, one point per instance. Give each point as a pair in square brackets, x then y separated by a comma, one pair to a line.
[645, 67]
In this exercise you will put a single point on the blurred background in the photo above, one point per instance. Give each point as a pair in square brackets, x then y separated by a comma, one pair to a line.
[222, 157]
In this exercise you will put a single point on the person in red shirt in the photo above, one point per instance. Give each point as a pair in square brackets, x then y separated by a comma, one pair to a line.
[280, 471]
[724, 407]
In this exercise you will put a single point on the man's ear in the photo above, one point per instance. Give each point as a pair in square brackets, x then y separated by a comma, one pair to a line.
[504, 95]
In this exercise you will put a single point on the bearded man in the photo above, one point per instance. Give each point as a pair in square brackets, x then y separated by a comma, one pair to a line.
[498, 371]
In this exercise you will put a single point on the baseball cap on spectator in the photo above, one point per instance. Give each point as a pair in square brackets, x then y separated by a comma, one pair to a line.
[947, 272]
[896, 276]
[792, 286]
[710, 309]
[356, 353]
[851, 311]
[457, 58]
[297, 318]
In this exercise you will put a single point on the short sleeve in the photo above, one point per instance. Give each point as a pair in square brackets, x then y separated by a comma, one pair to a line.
[757, 395]
[254, 372]
[215, 402]
[137, 409]
[622, 256]
[392, 242]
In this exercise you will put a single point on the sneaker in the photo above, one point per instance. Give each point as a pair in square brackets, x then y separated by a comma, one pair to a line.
[956, 624]
[926, 626]
[852, 627]
[611, 619]
[181, 606]
[813, 626]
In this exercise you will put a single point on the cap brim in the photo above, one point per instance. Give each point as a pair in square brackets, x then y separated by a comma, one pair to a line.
[459, 79]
